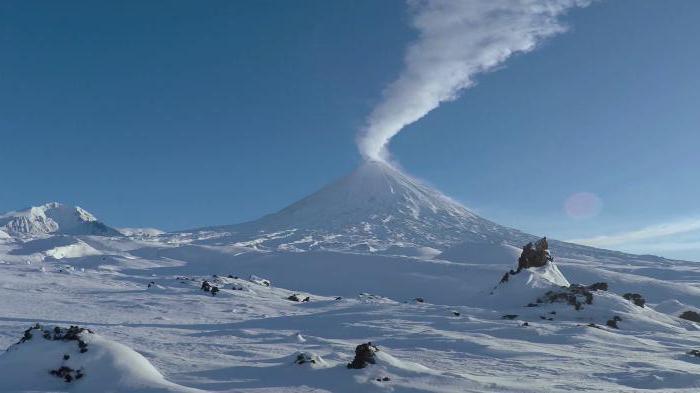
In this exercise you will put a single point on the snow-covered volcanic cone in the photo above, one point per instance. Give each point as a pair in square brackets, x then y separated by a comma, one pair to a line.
[375, 208]
[53, 218]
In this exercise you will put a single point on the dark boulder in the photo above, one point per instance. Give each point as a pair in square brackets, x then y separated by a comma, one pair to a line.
[364, 355]
[613, 322]
[691, 316]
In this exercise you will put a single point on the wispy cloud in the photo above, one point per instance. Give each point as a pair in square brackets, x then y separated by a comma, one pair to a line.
[647, 233]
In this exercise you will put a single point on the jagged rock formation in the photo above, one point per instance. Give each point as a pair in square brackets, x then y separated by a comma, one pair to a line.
[536, 255]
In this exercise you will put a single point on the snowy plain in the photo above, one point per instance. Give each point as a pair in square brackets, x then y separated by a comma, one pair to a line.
[392, 262]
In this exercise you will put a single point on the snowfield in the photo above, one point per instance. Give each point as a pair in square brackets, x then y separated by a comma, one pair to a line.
[382, 259]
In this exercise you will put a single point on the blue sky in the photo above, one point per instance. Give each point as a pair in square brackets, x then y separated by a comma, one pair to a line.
[179, 114]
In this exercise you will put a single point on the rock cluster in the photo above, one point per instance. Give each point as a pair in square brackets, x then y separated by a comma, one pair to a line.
[364, 355]
[297, 298]
[635, 298]
[207, 287]
[72, 333]
[67, 374]
[575, 295]
[260, 281]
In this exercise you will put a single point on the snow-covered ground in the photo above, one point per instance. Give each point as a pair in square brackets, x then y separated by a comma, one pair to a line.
[246, 339]
[438, 307]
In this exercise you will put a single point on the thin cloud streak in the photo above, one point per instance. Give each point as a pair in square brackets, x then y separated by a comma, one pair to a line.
[650, 232]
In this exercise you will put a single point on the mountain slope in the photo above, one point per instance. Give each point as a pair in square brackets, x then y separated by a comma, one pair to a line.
[379, 209]
[53, 218]
[375, 208]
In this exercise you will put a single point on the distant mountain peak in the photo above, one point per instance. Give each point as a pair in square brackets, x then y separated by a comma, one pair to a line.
[53, 218]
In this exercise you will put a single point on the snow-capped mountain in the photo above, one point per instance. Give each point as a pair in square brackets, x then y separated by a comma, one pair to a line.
[53, 218]
[374, 208]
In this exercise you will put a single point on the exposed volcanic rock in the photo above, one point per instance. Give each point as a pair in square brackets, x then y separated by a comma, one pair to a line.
[635, 298]
[534, 255]
[364, 355]
[691, 316]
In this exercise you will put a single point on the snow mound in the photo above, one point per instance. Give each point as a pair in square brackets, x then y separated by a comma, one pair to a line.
[310, 359]
[75, 250]
[54, 218]
[544, 295]
[56, 359]
[526, 286]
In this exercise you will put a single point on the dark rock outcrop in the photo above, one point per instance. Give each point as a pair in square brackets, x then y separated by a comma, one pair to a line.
[297, 298]
[635, 298]
[575, 295]
[613, 322]
[364, 355]
[534, 255]
[691, 316]
[598, 286]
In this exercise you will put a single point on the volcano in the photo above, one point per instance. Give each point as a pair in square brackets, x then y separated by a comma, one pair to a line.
[376, 208]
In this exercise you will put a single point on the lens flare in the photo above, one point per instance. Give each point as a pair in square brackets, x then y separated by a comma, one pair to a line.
[582, 205]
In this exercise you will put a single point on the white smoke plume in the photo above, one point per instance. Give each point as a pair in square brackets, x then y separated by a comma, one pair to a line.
[457, 40]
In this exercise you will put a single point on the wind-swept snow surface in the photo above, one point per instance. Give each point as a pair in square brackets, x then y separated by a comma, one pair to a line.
[375, 257]
[441, 326]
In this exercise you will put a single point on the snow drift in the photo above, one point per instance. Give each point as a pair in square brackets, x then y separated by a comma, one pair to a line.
[97, 365]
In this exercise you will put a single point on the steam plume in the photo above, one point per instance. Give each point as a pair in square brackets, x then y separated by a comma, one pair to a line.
[457, 40]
